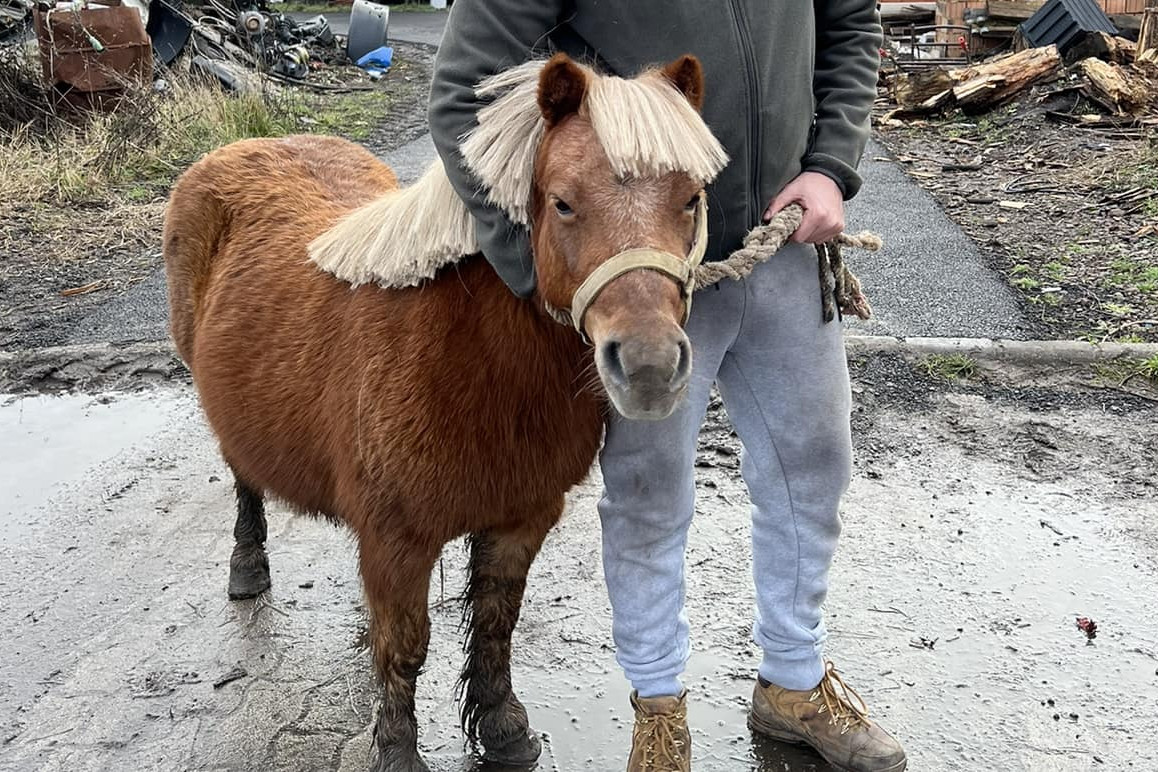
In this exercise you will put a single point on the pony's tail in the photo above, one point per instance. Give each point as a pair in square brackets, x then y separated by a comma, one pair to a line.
[194, 223]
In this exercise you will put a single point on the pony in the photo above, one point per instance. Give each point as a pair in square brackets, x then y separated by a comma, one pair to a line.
[357, 359]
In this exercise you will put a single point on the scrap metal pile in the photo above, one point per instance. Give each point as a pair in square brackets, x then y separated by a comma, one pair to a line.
[1114, 68]
[230, 43]
[100, 47]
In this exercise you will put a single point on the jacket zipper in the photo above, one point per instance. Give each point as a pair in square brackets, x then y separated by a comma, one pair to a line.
[753, 109]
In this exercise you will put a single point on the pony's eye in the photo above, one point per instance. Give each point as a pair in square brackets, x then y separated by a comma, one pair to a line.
[691, 205]
[563, 208]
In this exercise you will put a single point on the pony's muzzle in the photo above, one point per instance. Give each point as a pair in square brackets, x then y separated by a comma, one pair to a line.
[645, 378]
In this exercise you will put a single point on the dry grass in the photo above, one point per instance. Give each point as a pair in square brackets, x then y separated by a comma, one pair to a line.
[75, 183]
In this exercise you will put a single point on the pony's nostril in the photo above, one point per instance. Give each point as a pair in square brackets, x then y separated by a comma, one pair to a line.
[612, 355]
[684, 365]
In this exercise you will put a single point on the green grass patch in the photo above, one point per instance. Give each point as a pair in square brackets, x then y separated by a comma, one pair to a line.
[949, 367]
[354, 115]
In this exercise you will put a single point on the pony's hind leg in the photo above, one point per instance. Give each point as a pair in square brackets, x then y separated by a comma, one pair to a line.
[249, 565]
[491, 713]
[396, 577]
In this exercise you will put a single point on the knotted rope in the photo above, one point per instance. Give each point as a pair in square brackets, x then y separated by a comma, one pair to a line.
[839, 287]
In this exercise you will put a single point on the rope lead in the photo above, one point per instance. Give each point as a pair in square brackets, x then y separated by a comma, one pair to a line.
[839, 287]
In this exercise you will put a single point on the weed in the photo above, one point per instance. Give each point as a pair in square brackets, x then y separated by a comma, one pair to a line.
[949, 367]
[1125, 272]
[1139, 172]
[1119, 309]
[1148, 369]
[1054, 270]
[1123, 371]
[1026, 283]
[1148, 279]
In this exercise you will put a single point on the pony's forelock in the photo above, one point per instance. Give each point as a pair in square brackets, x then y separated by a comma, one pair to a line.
[644, 125]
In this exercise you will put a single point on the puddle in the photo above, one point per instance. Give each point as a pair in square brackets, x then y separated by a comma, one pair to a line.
[48, 441]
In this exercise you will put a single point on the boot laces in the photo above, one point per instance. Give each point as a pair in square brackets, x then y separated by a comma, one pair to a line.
[660, 729]
[845, 705]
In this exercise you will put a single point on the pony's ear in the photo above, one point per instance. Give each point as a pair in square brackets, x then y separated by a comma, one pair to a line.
[687, 75]
[562, 85]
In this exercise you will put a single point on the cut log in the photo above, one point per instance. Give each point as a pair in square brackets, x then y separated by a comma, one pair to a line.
[1102, 46]
[913, 89]
[992, 84]
[1122, 91]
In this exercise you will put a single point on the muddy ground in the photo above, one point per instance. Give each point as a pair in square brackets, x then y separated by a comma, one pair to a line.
[59, 260]
[983, 519]
[1067, 214]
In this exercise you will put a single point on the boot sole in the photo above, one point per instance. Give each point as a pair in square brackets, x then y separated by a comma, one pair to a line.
[762, 729]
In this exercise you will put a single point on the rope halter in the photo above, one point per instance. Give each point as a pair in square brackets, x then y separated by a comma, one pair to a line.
[681, 269]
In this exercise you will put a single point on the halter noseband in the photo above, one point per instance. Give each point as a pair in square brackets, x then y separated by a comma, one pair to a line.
[682, 270]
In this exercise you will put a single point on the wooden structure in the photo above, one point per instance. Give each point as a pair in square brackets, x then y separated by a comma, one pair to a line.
[993, 23]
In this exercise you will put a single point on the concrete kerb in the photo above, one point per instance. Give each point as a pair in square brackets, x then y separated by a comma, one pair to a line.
[133, 365]
[990, 350]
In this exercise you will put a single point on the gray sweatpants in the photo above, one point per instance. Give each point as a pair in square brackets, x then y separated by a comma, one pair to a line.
[784, 380]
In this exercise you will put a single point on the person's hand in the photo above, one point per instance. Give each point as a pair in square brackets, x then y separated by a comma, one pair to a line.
[823, 206]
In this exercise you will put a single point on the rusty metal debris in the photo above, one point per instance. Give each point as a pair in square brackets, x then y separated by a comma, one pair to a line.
[93, 49]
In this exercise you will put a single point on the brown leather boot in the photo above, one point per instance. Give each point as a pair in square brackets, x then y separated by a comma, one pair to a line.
[832, 718]
[660, 741]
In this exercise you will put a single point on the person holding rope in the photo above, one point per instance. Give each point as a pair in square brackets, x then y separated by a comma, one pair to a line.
[789, 89]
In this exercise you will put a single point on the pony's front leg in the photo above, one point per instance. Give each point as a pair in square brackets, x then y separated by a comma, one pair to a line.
[491, 714]
[396, 577]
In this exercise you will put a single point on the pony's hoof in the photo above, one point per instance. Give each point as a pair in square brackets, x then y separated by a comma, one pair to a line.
[522, 751]
[248, 572]
[395, 759]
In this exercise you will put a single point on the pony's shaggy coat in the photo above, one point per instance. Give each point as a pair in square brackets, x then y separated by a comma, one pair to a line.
[645, 126]
[416, 416]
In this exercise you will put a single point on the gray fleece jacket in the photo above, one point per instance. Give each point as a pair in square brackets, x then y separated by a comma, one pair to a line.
[790, 85]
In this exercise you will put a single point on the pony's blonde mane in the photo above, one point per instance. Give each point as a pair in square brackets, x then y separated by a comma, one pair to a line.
[401, 238]
[644, 125]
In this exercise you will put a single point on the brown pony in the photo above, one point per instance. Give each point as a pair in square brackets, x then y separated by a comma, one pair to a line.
[418, 415]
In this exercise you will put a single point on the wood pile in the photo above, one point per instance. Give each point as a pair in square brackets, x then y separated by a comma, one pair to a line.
[977, 88]
[1114, 73]
[1130, 89]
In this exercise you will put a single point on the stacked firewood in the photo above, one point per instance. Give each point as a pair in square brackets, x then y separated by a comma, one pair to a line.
[1119, 75]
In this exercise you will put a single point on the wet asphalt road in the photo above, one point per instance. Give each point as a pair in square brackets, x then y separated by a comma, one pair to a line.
[115, 526]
